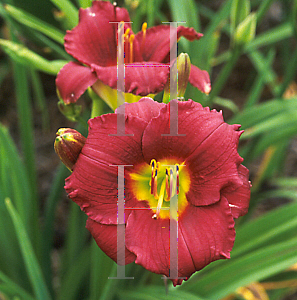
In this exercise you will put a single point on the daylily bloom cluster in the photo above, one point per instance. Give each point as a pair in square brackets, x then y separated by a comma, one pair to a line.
[93, 42]
[212, 185]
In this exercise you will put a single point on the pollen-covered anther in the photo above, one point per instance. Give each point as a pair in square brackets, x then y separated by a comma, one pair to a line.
[131, 39]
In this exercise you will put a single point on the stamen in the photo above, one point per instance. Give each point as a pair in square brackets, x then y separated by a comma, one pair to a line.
[161, 198]
[171, 183]
[152, 181]
[167, 198]
[131, 39]
[155, 184]
[177, 179]
[126, 33]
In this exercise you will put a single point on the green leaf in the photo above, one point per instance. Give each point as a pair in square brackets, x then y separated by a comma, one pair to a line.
[12, 288]
[69, 10]
[254, 266]
[29, 20]
[157, 292]
[25, 56]
[265, 229]
[33, 268]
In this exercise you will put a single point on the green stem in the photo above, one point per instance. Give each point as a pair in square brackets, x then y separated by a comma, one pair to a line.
[97, 104]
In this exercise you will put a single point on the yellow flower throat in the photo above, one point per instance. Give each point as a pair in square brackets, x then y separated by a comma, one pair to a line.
[158, 182]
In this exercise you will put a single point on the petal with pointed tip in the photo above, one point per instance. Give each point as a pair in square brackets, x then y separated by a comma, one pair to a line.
[73, 80]
[200, 79]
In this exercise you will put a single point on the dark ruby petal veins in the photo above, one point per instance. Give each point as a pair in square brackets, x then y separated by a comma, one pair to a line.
[205, 234]
[157, 42]
[93, 184]
[106, 238]
[146, 109]
[239, 198]
[93, 40]
[214, 165]
[195, 123]
[72, 81]
[208, 147]
[140, 78]
[200, 79]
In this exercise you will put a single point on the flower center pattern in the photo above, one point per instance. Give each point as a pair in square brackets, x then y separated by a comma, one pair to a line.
[158, 182]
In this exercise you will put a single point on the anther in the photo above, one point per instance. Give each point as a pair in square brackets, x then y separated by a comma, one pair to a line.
[155, 184]
[131, 39]
[167, 186]
[177, 179]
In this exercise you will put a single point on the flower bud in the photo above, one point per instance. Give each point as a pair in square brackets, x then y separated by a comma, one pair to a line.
[246, 30]
[68, 145]
[183, 65]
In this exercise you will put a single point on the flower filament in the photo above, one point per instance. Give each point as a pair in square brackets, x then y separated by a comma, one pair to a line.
[158, 182]
[169, 186]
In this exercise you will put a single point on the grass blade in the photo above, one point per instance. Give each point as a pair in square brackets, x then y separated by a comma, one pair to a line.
[35, 23]
[33, 268]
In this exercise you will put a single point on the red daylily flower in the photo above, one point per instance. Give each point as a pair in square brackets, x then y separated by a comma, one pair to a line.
[213, 186]
[93, 42]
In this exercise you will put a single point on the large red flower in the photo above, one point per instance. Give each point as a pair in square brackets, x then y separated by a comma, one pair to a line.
[213, 186]
[93, 42]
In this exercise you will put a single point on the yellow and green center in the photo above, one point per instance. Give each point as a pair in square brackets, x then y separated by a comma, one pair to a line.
[160, 181]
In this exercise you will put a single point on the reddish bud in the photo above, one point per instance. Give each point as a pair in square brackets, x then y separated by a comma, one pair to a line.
[68, 145]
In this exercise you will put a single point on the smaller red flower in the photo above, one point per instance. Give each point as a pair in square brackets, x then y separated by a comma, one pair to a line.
[93, 42]
[211, 184]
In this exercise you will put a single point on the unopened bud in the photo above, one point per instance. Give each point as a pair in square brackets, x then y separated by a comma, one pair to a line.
[68, 145]
[183, 72]
[246, 30]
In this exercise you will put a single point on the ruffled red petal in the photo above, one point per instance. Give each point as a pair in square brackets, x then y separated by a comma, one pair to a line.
[73, 80]
[93, 184]
[206, 144]
[205, 234]
[140, 79]
[106, 238]
[239, 198]
[194, 125]
[156, 45]
[200, 79]
[93, 40]
[146, 109]
[214, 165]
